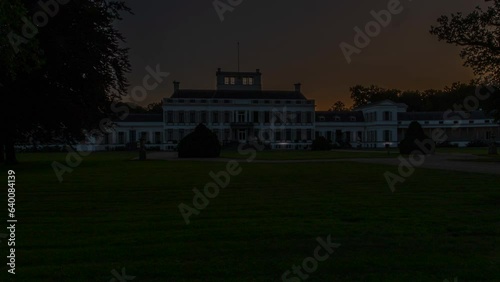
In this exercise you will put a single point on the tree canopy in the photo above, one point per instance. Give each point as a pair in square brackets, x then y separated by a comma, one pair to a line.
[67, 71]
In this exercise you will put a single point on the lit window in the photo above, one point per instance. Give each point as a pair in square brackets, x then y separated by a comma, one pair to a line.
[226, 80]
[245, 81]
[233, 81]
[250, 81]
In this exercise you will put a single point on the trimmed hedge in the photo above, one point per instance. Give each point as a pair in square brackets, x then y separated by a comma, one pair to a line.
[321, 144]
[202, 143]
[414, 136]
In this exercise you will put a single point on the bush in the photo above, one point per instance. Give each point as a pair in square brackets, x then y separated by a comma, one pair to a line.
[477, 144]
[202, 143]
[446, 144]
[409, 144]
[321, 144]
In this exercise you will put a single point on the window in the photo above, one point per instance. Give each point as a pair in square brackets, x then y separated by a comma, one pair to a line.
[255, 101]
[387, 136]
[192, 117]
[181, 117]
[241, 116]
[121, 137]
[298, 102]
[204, 117]
[170, 117]
[227, 101]
[352, 118]
[309, 117]
[192, 101]
[256, 117]
[215, 101]
[471, 121]
[226, 80]
[267, 102]
[227, 117]
[426, 122]
[215, 117]
[321, 118]
[309, 134]
[489, 135]
[487, 121]
[248, 81]
[278, 135]
[157, 138]
[170, 134]
[387, 116]
[299, 117]
[298, 134]
[233, 80]
[181, 134]
[267, 117]
[337, 118]
[144, 135]
[278, 102]
[203, 101]
[288, 134]
[441, 122]
[132, 136]
[288, 102]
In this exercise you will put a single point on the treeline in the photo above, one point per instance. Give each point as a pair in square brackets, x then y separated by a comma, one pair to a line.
[432, 99]
[153, 108]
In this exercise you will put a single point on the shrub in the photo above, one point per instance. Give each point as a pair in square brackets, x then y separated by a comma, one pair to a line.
[409, 144]
[202, 143]
[321, 144]
[477, 144]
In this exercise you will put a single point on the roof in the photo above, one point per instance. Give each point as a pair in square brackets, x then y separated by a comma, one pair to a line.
[387, 102]
[142, 118]
[335, 116]
[238, 94]
[441, 115]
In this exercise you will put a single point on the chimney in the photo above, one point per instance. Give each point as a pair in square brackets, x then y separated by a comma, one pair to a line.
[297, 87]
[176, 86]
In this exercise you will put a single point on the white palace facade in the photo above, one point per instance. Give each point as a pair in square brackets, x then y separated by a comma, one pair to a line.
[239, 110]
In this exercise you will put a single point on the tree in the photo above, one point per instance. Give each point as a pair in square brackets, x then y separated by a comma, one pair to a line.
[416, 141]
[155, 108]
[202, 143]
[321, 144]
[338, 106]
[66, 75]
[478, 33]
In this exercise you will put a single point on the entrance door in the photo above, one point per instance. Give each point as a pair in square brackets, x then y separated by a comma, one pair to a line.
[242, 135]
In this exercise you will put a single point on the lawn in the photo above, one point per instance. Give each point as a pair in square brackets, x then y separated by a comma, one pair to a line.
[111, 213]
[312, 155]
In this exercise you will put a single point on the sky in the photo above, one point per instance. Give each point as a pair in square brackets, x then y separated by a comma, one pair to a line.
[292, 41]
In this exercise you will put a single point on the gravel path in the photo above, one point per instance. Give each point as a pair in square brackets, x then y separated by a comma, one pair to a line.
[453, 162]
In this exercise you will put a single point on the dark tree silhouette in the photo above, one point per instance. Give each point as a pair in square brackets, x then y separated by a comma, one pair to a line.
[202, 143]
[478, 33]
[338, 106]
[66, 75]
[415, 140]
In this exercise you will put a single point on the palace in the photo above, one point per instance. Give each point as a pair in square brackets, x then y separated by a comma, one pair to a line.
[239, 110]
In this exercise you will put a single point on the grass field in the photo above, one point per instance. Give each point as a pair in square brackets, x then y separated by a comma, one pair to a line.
[111, 213]
[310, 155]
